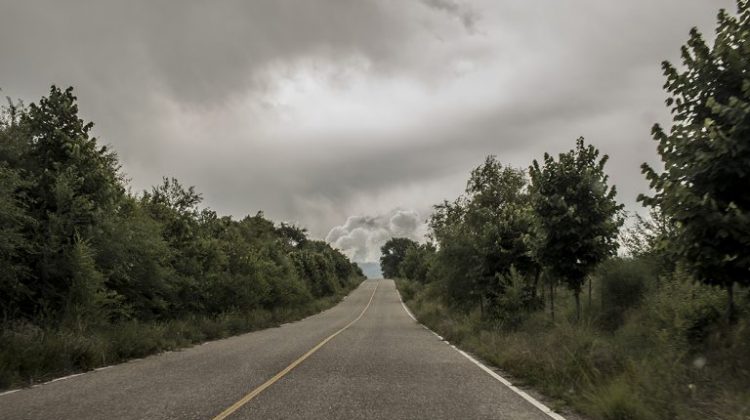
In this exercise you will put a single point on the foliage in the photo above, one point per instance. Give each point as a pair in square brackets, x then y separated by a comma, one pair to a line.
[83, 256]
[706, 154]
[484, 235]
[577, 217]
[650, 367]
[418, 262]
[622, 284]
[393, 253]
[13, 243]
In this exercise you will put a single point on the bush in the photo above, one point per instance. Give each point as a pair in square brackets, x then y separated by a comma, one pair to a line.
[622, 283]
[408, 289]
[648, 368]
[29, 353]
[616, 402]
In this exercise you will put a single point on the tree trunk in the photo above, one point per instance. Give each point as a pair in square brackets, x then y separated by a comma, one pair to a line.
[578, 304]
[544, 296]
[536, 283]
[552, 300]
[590, 281]
[731, 318]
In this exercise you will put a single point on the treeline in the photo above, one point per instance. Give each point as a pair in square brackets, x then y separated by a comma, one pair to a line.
[524, 270]
[80, 253]
[515, 233]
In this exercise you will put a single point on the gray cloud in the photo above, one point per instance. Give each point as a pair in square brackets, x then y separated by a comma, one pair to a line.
[317, 110]
[361, 237]
[463, 12]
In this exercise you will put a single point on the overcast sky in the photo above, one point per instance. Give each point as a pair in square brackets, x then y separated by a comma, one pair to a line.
[352, 118]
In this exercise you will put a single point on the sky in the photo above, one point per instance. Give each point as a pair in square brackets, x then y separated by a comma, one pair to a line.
[352, 118]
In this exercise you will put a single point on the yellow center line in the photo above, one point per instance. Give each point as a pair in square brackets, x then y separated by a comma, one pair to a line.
[254, 393]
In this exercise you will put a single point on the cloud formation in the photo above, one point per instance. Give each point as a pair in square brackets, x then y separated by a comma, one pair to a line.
[361, 237]
[463, 12]
[313, 111]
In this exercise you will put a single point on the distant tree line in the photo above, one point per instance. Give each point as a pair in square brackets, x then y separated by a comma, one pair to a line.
[515, 231]
[77, 249]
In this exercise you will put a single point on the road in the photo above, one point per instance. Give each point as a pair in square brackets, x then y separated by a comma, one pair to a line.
[365, 358]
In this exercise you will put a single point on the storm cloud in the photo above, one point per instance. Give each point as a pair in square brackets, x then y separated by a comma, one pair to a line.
[314, 111]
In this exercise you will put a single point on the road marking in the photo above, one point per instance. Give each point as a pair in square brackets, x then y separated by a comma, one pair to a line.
[63, 378]
[254, 393]
[408, 312]
[12, 391]
[543, 408]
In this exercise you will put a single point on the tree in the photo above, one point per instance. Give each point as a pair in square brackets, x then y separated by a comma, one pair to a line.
[13, 243]
[649, 238]
[293, 235]
[393, 253]
[74, 184]
[483, 236]
[77, 250]
[417, 262]
[706, 155]
[576, 214]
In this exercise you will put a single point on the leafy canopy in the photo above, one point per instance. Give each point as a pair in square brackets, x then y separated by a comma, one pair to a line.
[703, 188]
[577, 216]
[393, 253]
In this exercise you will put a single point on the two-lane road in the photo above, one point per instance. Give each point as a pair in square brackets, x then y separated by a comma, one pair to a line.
[366, 358]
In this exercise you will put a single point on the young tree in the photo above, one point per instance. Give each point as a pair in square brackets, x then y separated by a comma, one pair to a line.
[706, 154]
[577, 216]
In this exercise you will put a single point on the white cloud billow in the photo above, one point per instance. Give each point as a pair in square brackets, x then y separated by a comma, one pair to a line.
[361, 237]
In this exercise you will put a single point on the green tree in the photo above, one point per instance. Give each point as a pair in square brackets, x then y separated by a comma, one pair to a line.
[136, 261]
[484, 235]
[74, 184]
[294, 236]
[706, 154]
[393, 253]
[576, 213]
[418, 262]
[13, 243]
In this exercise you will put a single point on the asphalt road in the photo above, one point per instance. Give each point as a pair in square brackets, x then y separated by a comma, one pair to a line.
[383, 365]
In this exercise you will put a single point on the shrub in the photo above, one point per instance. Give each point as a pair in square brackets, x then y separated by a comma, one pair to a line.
[622, 283]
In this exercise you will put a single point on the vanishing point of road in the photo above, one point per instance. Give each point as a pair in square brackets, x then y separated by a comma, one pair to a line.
[365, 358]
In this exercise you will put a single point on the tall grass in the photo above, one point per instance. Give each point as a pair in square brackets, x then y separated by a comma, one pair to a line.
[29, 353]
[667, 356]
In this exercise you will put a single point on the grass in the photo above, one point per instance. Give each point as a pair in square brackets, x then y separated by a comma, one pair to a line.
[668, 358]
[30, 354]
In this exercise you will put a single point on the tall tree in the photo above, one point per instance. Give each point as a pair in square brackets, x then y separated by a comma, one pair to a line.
[74, 185]
[706, 154]
[484, 235]
[576, 213]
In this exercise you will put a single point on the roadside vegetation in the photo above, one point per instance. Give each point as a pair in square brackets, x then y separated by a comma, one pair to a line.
[524, 269]
[93, 274]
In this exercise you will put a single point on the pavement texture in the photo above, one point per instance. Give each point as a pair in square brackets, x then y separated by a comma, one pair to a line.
[384, 366]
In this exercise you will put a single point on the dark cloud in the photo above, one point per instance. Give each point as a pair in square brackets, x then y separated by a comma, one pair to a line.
[463, 12]
[314, 111]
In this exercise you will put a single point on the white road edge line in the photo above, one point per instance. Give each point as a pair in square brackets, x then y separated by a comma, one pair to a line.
[63, 378]
[543, 408]
[10, 392]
